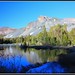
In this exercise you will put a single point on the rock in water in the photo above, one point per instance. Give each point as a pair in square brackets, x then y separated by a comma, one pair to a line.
[50, 67]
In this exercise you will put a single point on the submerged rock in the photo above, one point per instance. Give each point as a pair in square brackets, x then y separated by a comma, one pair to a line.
[49, 67]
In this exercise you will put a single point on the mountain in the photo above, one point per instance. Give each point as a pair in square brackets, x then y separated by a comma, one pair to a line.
[35, 27]
[6, 30]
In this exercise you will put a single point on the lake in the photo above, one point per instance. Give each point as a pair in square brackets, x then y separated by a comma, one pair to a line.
[14, 59]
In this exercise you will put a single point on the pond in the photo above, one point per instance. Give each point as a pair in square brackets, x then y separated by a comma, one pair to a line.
[13, 59]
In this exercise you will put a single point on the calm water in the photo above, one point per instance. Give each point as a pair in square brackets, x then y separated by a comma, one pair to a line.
[13, 59]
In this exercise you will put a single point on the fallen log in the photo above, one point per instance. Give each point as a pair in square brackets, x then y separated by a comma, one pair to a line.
[71, 48]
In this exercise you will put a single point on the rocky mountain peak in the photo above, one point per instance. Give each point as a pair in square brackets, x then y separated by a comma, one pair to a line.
[36, 27]
[43, 18]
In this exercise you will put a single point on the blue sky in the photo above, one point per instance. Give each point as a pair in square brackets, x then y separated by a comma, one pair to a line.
[19, 14]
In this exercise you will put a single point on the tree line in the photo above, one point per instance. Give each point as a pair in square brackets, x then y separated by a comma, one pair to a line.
[57, 35]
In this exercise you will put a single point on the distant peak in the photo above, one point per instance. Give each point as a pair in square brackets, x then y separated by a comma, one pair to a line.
[69, 19]
[43, 18]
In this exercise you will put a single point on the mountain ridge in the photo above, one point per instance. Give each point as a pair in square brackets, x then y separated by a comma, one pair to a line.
[35, 27]
[6, 30]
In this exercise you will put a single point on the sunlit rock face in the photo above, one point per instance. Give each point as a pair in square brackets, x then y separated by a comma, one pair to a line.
[36, 26]
[70, 23]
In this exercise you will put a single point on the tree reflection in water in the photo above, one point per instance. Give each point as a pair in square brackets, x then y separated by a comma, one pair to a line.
[13, 59]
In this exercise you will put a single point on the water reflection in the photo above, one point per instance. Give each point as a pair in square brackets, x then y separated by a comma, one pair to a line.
[32, 56]
[13, 58]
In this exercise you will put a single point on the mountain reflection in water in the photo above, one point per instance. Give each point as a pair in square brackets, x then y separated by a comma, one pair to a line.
[13, 59]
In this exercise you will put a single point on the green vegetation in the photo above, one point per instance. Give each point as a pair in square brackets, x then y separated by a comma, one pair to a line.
[57, 35]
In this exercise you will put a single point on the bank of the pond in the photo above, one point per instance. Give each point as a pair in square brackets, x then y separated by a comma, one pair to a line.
[38, 47]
